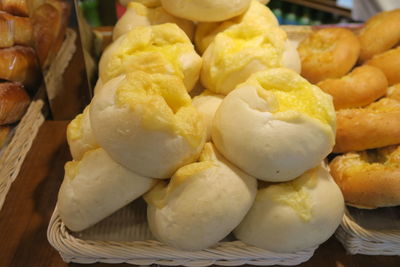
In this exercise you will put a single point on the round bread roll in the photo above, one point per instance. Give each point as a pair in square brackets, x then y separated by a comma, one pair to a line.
[14, 102]
[206, 10]
[374, 126]
[383, 27]
[359, 88]
[369, 179]
[240, 51]
[139, 15]
[95, 187]
[147, 3]
[80, 136]
[202, 204]
[291, 58]
[147, 123]
[328, 53]
[154, 49]
[206, 31]
[207, 104]
[389, 63]
[294, 216]
[275, 126]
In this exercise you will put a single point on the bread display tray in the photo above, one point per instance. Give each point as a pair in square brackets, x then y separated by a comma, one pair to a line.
[13, 154]
[370, 232]
[124, 237]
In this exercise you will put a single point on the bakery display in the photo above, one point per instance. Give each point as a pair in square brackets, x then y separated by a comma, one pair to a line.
[155, 49]
[293, 216]
[389, 63]
[203, 202]
[328, 53]
[95, 187]
[139, 15]
[369, 179]
[359, 88]
[14, 100]
[206, 10]
[288, 125]
[147, 123]
[384, 27]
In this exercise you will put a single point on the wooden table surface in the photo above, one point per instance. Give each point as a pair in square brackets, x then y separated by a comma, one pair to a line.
[32, 197]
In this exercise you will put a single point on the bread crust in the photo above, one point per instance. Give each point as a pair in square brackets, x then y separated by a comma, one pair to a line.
[359, 88]
[15, 7]
[13, 102]
[389, 63]
[4, 132]
[14, 30]
[328, 53]
[369, 185]
[383, 27]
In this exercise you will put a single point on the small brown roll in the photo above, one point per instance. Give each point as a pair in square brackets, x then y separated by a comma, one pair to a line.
[14, 30]
[15, 7]
[359, 88]
[369, 179]
[19, 64]
[389, 63]
[14, 101]
[375, 126]
[4, 132]
[380, 33]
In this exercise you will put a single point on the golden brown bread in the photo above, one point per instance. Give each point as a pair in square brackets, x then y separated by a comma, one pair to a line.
[369, 179]
[49, 26]
[375, 126]
[14, 30]
[389, 63]
[14, 101]
[328, 53]
[359, 88]
[4, 132]
[19, 64]
[15, 7]
[380, 33]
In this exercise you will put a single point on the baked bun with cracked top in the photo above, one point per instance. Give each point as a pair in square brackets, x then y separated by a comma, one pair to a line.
[202, 204]
[14, 102]
[161, 48]
[296, 215]
[287, 123]
[14, 30]
[389, 63]
[380, 33]
[369, 179]
[140, 15]
[95, 187]
[360, 87]
[328, 53]
[206, 10]
[147, 123]
[374, 126]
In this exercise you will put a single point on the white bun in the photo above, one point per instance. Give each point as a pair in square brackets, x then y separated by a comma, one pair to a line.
[275, 126]
[240, 51]
[80, 136]
[202, 204]
[146, 122]
[206, 10]
[139, 15]
[161, 48]
[291, 58]
[207, 104]
[293, 216]
[95, 187]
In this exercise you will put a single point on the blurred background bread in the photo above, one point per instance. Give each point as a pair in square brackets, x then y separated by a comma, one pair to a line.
[13, 102]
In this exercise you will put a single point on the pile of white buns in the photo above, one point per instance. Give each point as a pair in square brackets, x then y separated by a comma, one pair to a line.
[245, 155]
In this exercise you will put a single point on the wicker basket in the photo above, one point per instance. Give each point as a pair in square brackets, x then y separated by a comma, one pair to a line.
[371, 232]
[124, 237]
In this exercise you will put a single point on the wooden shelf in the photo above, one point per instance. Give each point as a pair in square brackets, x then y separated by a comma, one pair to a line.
[323, 5]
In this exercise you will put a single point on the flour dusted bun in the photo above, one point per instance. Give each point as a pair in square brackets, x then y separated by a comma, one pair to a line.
[147, 123]
[206, 10]
[207, 104]
[154, 49]
[293, 216]
[275, 126]
[80, 136]
[206, 31]
[95, 187]
[202, 204]
[139, 15]
[240, 51]
[291, 58]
